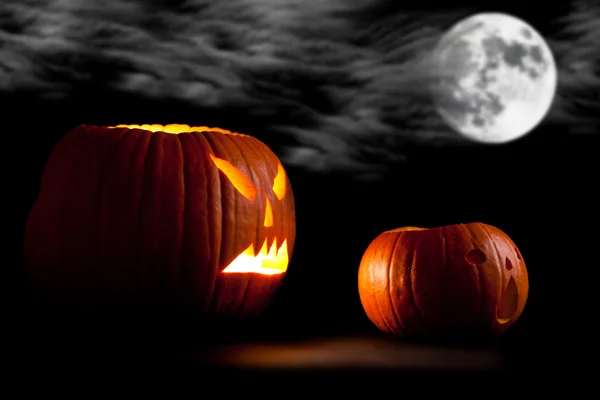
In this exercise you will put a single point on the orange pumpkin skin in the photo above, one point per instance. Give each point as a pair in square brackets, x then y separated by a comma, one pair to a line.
[453, 281]
[134, 216]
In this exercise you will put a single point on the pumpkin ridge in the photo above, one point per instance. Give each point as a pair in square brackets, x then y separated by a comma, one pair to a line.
[201, 138]
[249, 277]
[103, 181]
[93, 136]
[140, 148]
[362, 293]
[161, 228]
[444, 263]
[475, 268]
[138, 265]
[412, 278]
[61, 220]
[177, 270]
[185, 206]
[179, 265]
[375, 301]
[498, 257]
[391, 262]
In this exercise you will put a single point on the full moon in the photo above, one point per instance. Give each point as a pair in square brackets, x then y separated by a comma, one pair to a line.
[494, 78]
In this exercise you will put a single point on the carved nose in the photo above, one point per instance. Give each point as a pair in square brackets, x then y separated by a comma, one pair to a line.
[268, 214]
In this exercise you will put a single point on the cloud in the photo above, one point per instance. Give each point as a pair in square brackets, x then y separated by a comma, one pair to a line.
[576, 50]
[345, 81]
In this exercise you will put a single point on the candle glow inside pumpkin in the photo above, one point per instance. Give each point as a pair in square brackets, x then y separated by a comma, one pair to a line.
[271, 261]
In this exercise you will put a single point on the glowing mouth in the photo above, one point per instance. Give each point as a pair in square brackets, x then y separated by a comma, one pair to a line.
[273, 262]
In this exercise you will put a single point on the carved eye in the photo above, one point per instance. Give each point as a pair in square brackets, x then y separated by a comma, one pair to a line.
[279, 190]
[247, 188]
[279, 183]
[237, 178]
[475, 256]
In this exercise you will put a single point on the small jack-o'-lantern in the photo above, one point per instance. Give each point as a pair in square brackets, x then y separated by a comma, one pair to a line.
[464, 279]
[170, 215]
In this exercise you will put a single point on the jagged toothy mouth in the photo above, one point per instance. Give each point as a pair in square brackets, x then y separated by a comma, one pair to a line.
[271, 262]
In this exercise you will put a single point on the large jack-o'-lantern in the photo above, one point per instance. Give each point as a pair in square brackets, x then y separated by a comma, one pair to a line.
[196, 217]
[447, 282]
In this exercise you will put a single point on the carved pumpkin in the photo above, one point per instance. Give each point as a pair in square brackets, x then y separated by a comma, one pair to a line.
[458, 280]
[196, 217]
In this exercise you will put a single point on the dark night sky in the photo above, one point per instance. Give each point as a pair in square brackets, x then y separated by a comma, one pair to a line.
[335, 88]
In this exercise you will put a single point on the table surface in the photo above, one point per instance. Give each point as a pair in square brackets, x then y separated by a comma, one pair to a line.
[368, 352]
[364, 352]
[49, 344]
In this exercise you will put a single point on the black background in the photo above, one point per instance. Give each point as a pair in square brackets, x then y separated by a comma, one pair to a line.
[540, 190]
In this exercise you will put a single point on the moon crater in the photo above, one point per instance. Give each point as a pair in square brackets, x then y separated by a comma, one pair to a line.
[495, 78]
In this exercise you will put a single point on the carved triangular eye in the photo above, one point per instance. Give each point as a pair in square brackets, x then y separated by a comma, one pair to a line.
[237, 178]
[279, 183]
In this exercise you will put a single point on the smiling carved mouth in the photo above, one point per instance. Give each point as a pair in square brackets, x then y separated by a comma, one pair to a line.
[272, 262]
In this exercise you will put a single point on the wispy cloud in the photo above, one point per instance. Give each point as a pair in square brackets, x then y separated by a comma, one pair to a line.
[578, 57]
[356, 78]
